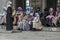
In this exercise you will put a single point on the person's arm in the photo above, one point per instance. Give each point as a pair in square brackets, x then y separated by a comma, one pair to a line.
[14, 13]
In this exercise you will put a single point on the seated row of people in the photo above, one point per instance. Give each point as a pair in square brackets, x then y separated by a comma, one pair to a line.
[29, 22]
[51, 17]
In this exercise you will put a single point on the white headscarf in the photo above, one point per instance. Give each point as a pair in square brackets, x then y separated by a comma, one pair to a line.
[36, 14]
[9, 4]
[51, 9]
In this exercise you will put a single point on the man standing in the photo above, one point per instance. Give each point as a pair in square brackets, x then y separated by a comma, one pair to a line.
[9, 21]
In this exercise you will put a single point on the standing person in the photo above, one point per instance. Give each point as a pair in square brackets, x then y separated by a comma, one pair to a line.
[9, 22]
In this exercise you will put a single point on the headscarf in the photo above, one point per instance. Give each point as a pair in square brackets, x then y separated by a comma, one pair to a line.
[27, 11]
[9, 4]
[20, 9]
[51, 10]
[36, 14]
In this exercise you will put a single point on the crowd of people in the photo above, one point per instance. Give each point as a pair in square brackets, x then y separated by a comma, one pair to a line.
[52, 17]
[27, 21]
[33, 19]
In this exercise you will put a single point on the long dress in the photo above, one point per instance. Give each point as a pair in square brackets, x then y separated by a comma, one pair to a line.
[24, 25]
[9, 21]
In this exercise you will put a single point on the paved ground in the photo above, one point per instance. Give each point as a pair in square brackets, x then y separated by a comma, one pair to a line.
[28, 35]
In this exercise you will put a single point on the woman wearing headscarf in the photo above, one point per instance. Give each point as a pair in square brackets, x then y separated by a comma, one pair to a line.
[50, 17]
[9, 21]
[18, 14]
[36, 22]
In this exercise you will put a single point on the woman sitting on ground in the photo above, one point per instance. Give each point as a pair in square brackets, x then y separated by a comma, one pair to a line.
[19, 13]
[36, 22]
[49, 18]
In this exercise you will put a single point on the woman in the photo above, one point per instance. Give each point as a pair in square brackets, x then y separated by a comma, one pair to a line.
[50, 17]
[4, 14]
[9, 22]
[19, 13]
[36, 22]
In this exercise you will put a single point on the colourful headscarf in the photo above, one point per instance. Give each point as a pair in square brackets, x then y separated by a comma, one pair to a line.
[20, 9]
[27, 11]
